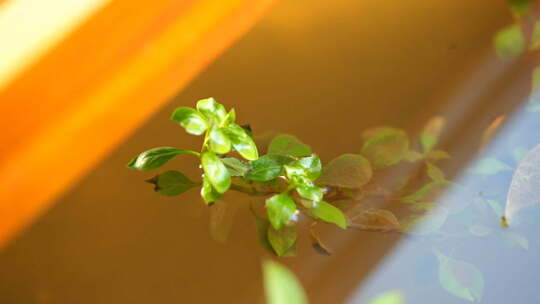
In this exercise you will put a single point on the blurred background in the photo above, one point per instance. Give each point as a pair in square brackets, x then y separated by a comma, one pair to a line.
[323, 71]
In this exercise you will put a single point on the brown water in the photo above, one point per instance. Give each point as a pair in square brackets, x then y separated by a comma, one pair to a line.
[323, 71]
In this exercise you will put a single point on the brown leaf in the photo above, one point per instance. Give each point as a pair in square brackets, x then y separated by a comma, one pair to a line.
[375, 219]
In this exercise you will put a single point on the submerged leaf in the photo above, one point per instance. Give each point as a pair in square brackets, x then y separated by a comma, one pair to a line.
[520, 7]
[378, 131]
[488, 166]
[428, 223]
[386, 150]
[281, 286]
[525, 187]
[221, 220]
[262, 225]
[390, 297]
[317, 244]
[346, 171]
[437, 155]
[376, 220]
[460, 278]
[430, 135]
[514, 239]
[435, 173]
[288, 145]
[509, 42]
[171, 183]
[283, 241]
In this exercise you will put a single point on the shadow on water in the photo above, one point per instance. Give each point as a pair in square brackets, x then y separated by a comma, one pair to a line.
[325, 73]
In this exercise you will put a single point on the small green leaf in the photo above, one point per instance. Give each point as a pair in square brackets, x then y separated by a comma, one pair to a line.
[460, 278]
[390, 297]
[208, 193]
[242, 142]
[535, 39]
[413, 156]
[212, 110]
[386, 150]
[520, 7]
[509, 42]
[489, 166]
[435, 173]
[288, 145]
[171, 183]
[156, 157]
[216, 172]
[281, 210]
[312, 166]
[231, 117]
[431, 132]
[219, 141]
[329, 214]
[283, 240]
[427, 192]
[235, 166]
[193, 121]
[346, 171]
[268, 167]
[428, 141]
[311, 192]
[281, 286]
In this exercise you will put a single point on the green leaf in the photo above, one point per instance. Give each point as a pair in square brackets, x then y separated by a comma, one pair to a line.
[216, 172]
[283, 240]
[242, 142]
[520, 7]
[346, 171]
[310, 191]
[212, 110]
[390, 297]
[329, 214]
[431, 132]
[312, 166]
[281, 210]
[386, 150]
[435, 173]
[509, 42]
[156, 157]
[231, 117]
[460, 278]
[268, 167]
[235, 166]
[496, 207]
[193, 121]
[208, 193]
[428, 141]
[489, 166]
[288, 145]
[219, 141]
[281, 286]
[171, 183]
[427, 192]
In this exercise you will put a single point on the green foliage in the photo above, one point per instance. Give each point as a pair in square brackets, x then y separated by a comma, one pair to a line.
[288, 145]
[281, 209]
[268, 167]
[329, 213]
[215, 172]
[535, 39]
[193, 121]
[235, 166]
[390, 297]
[156, 157]
[281, 286]
[283, 241]
[461, 279]
[509, 42]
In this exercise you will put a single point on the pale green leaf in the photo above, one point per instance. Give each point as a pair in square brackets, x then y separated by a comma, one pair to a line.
[488, 166]
[212, 110]
[386, 150]
[281, 286]
[283, 241]
[288, 145]
[390, 297]
[329, 214]
[156, 157]
[281, 209]
[216, 172]
[509, 42]
[460, 278]
[219, 141]
[192, 121]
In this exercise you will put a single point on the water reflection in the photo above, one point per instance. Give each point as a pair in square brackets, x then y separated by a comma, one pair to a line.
[459, 252]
